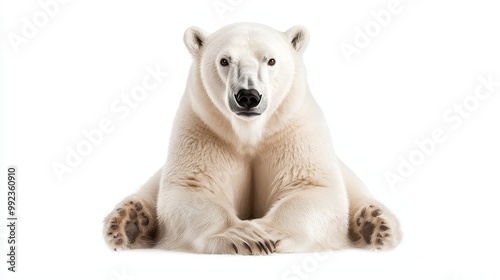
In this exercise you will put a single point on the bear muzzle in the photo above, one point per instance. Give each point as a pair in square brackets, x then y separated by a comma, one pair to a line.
[248, 98]
[246, 103]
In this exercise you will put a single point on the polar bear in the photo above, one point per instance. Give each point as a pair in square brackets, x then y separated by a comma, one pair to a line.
[251, 168]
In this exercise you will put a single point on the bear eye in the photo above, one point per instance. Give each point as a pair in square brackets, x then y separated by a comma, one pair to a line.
[224, 62]
[271, 62]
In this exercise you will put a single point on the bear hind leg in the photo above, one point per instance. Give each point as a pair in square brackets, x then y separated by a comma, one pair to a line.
[371, 224]
[133, 223]
[374, 227]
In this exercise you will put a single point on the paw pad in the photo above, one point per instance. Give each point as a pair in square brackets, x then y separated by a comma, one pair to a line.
[372, 227]
[130, 226]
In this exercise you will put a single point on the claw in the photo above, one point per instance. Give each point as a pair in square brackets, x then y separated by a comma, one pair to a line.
[274, 245]
[259, 246]
[264, 247]
[269, 247]
[235, 248]
[248, 248]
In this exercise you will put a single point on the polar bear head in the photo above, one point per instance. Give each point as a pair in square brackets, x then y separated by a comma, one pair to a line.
[247, 71]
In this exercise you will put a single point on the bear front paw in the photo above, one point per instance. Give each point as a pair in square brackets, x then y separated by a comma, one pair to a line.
[245, 238]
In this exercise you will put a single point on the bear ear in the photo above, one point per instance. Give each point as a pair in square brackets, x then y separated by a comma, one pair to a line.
[298, 37]
[194, 39]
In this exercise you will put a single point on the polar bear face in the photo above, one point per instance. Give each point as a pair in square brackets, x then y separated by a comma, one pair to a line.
[247, 70]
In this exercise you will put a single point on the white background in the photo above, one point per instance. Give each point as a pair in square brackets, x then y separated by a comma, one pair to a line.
[393, 92]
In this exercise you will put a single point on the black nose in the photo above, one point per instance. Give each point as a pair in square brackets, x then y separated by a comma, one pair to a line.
[248, 98]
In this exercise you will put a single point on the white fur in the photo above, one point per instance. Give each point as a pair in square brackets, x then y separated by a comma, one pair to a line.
[230, 179]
